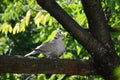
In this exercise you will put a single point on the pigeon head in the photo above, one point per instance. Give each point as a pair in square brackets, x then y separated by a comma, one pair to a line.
[59, 34]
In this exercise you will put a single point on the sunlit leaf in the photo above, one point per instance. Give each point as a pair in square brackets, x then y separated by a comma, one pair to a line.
[42, 19]
[46, 18]
[67, 55]
[51, 36]
[22, 25]
[27, 17]
[16, 29]
[81, 18]
[10, 28]
[50, 21]
[5, 28]
[41, 77]
[39, 19]
[78, 50]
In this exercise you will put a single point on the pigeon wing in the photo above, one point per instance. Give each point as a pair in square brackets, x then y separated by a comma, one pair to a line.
[46, 47]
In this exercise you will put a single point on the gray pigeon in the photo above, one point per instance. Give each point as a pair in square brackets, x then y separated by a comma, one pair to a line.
[51, 49]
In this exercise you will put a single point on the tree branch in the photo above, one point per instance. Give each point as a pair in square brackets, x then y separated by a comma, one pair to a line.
[80, 34]
[15, 64]
[97, 23]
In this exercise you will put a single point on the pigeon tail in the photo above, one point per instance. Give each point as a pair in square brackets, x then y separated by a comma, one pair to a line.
[31, 53]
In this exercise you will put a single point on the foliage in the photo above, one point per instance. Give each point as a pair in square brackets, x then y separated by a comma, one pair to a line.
[117, 72]
[24, 25]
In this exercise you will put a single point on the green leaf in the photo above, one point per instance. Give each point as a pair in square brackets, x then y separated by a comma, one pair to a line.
[117, 72]
[118, 2]
[16, 29]
[51, 36]
[46, 18]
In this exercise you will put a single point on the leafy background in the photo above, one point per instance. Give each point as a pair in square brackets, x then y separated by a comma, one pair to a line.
[25, 25]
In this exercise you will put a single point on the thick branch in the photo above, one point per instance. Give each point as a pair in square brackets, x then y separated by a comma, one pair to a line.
[14, 64]
[97, 23]
[80, 34]
[101, 31]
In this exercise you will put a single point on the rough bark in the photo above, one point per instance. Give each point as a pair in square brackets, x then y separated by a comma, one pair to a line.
[19, 64]
[97, 23]
[98, 42]
[100, 30]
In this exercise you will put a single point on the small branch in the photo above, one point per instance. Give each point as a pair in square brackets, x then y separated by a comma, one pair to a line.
[15, 64]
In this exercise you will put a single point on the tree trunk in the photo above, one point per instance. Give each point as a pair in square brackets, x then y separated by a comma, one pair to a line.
[104, 62]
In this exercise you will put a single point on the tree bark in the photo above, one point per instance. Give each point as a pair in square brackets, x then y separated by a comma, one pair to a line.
[19, 64]
[100, 30]
[97, 22]
[98, 42]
